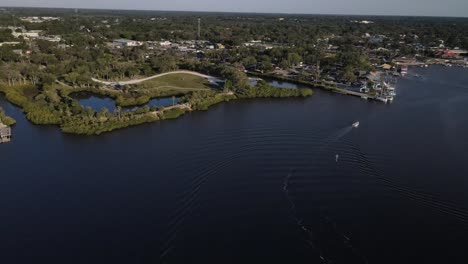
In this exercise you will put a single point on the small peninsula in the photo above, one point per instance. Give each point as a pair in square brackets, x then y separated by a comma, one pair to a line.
[55, 103]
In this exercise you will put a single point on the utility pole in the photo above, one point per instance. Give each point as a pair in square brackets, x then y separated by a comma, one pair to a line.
[14, 20]
[199, 28]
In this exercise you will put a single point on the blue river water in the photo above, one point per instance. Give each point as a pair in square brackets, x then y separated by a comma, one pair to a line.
[99, 102]
[250, 181]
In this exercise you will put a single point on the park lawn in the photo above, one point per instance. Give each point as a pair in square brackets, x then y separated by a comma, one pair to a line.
[182, 81]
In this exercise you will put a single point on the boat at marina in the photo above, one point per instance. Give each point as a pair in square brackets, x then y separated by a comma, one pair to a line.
[404, 71]
[382, 99]
[5, 133]
[388, 91]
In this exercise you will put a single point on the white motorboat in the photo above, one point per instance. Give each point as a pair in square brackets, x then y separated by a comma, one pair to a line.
[356, 124]
[383, 99]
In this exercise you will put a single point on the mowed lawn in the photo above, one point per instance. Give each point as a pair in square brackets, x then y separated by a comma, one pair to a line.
[180, 81]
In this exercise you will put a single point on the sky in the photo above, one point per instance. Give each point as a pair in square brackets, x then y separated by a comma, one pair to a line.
[355, 7]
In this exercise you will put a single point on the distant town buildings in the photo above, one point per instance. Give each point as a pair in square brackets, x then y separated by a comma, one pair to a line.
[453, 53]
[362, 22]
[18, 52]
[52, 38]
[63, 46]
[26, 34]
[120, 43]
[258, 44]
[9, 43]
[35, 19]
[165, 43]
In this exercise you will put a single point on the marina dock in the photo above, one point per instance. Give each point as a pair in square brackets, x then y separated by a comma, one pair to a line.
[344, 91]
[364, 95]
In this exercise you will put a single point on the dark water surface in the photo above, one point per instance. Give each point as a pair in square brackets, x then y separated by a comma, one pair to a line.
[252, 181]
[99, 102]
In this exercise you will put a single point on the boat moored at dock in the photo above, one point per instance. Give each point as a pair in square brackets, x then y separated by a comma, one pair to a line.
[382, 99]
[5, 133]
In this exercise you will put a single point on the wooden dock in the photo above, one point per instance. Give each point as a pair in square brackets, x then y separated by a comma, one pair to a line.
[5, 133]
[362, 95]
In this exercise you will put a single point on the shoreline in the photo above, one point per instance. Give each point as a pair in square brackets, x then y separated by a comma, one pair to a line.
[329, 87]
[97, 122]
[66, 112]
[5, 126]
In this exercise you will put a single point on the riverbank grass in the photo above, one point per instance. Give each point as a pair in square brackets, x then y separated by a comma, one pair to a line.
[6, 120]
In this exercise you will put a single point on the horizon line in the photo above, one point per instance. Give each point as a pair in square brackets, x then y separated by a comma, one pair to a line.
[236, 12]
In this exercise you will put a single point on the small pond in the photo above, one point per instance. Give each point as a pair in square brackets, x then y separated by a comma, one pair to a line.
[97, 102]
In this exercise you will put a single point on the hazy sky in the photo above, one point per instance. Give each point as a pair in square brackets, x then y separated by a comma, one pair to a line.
[377, 7]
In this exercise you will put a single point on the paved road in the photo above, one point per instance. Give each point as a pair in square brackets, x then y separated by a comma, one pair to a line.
[181, 88]
[64, 84]
[210, 78]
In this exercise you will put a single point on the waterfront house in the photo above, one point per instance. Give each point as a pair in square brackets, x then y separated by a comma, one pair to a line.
[454, 53]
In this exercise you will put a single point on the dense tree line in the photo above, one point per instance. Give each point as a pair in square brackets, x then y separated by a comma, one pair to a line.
[29, 71]
[296, 38]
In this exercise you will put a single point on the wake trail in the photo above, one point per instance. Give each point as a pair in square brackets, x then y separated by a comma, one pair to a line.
[313, 239]
[423, 198]
[338, 135]
[299, 221]
[188, 204]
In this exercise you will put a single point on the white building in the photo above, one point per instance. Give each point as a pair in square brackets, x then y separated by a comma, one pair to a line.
[10, 43]
[55, 38]
[126, 43]
[27, 34]
[38, 19]
[165, 43]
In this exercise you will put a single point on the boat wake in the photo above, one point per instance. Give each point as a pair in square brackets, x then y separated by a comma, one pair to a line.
[189, 203]
[355, 155]
[325, 226]
[421, 197]
[189, 200]
[335, 137]
[299, 221]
